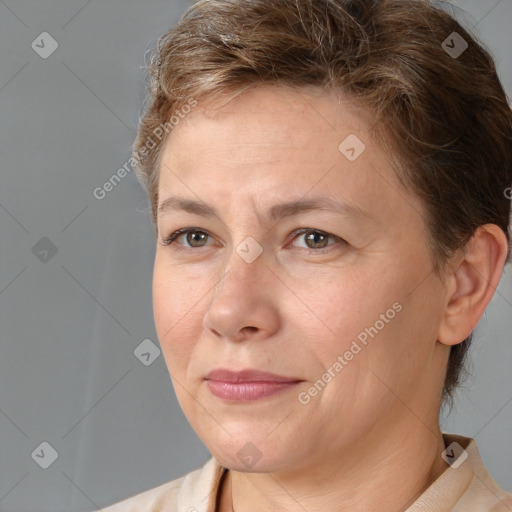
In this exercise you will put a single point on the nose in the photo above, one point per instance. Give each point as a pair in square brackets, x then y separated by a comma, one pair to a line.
[244, 303]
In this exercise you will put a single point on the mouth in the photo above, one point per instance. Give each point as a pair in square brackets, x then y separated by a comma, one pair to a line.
[247, 385]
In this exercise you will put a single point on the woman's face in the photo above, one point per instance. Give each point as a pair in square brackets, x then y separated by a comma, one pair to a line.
[340, 297]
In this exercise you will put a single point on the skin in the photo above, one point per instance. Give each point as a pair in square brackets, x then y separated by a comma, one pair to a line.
[370, 440]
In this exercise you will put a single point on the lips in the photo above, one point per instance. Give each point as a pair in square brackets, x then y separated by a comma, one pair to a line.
[248, 375]
[247, 385]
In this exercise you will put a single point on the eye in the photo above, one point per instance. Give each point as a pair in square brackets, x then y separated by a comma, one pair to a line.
[316, 239]
[193, 236]
[197, 238]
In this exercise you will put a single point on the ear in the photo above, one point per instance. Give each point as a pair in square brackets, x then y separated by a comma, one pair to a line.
[471, 283]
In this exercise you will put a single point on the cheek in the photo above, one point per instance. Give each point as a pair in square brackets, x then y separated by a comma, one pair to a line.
[399, 358]
[176, 309]
[176, 294]
[352, 311]
[363, 321]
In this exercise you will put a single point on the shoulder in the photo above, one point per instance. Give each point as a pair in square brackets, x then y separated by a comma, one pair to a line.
[465, 486]
[151, 500]
[170, 496]
[482, 494]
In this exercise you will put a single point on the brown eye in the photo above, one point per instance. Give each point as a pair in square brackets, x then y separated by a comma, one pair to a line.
[315, 239]
[194, 238]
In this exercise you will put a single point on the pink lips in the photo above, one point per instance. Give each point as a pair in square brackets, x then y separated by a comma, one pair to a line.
[246, 385]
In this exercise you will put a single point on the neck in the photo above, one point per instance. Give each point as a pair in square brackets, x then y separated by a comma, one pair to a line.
[375, 475]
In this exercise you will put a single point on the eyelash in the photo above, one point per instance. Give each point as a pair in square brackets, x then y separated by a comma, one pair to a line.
[171, 238]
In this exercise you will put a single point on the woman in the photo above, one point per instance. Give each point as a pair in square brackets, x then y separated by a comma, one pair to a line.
[328, 186]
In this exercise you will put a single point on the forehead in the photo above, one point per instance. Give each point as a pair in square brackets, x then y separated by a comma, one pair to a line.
[267, 118]
[275, 142]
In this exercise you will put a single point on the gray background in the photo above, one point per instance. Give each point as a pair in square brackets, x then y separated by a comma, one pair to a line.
[72, 320]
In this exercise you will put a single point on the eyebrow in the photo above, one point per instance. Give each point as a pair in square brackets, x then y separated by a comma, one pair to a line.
[276, 212]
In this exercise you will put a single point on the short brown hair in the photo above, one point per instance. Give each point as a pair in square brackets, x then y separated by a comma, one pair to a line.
[444, 120]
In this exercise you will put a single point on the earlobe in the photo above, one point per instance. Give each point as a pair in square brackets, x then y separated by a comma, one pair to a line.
[472, 283]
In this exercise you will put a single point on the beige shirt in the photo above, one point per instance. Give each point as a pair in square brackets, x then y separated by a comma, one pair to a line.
[463, 487]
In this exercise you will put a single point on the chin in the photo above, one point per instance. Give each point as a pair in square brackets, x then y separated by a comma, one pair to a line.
[243, 455]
